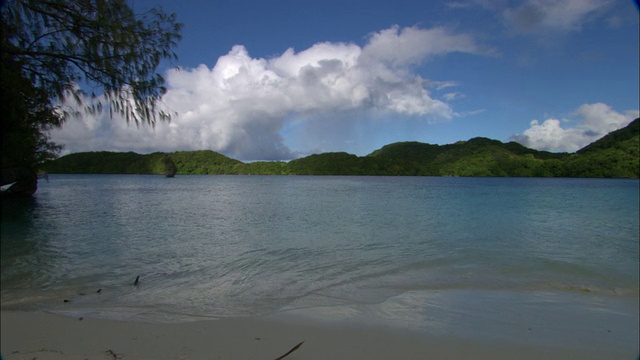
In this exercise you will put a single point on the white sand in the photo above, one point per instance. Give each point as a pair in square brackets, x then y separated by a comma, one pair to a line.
[42, 336]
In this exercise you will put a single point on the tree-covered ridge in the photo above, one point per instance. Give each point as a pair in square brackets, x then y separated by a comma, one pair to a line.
[615, 155]
[476, 157]
[105, 162]
[625, 139]
[203, 162]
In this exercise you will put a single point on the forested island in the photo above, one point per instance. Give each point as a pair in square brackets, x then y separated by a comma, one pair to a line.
[613, 156]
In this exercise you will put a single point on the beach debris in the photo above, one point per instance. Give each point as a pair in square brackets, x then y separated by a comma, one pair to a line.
[290, 351]
[6, 187]
[99, 291]
[42, 350]
[65, 300]
[135, 283]
[80, 318]
[114, 354]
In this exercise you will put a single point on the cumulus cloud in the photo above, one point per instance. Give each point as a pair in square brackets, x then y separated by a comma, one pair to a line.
[594, 122]
[241, 104]
[541, 16]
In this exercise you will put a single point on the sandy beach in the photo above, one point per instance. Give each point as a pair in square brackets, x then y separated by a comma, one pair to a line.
[43, 336]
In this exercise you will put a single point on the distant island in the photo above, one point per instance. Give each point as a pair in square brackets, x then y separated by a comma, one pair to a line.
[614, 156]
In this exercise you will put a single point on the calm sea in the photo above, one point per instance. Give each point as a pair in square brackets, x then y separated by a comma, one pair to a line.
[511, 256]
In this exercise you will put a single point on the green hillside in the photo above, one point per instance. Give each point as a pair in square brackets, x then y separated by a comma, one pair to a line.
[338, 163]
[625, 139]
[104, 162]
[476, 157]
[615, 155]
[204, 162]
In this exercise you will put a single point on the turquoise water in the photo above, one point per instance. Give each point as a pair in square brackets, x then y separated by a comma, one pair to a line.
[442, 255]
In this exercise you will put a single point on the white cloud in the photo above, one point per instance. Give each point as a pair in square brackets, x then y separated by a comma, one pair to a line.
[595, 121]
[409, 46]
[453, 96]
[439, 85]
[240, 106]
[541, 16]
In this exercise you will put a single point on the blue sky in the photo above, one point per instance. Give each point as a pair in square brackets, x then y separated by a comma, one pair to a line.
[273, 80]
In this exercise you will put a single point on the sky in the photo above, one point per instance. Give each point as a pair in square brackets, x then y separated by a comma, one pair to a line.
[282, 79]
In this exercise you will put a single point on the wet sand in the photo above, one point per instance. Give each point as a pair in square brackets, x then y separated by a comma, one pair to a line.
[43, 336]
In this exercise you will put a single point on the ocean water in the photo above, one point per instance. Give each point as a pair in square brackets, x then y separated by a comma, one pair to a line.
[525, 259]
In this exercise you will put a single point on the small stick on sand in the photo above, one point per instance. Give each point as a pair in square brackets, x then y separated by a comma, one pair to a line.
[290, 351]
[114, 354]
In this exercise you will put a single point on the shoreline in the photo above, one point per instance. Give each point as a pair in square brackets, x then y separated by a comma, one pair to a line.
[46, 336]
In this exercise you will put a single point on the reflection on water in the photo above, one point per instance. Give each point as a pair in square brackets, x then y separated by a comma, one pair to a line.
[25, 254]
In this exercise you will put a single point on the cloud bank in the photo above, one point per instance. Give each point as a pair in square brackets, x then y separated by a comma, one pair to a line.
[595, 121]
[240, 105]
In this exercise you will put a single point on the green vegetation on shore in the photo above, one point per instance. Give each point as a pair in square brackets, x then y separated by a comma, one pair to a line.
[48, 48]
[615, 155]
